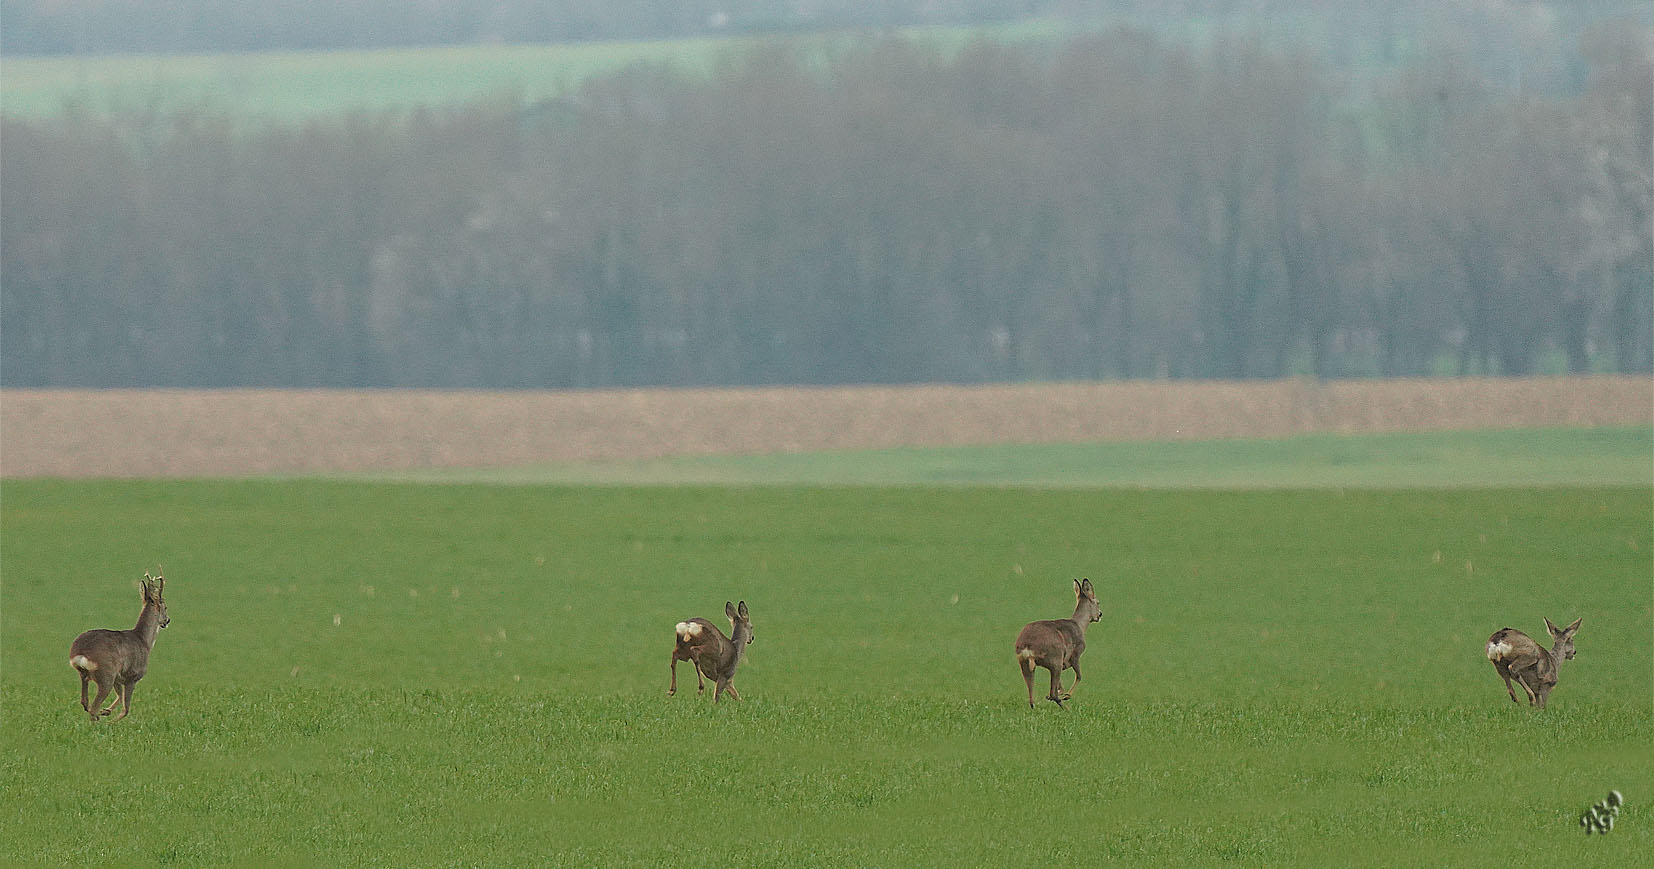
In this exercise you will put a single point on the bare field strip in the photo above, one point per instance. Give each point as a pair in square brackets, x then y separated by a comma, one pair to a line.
[189, 433]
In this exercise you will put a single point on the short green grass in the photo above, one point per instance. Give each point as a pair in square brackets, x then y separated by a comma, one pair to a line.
[1513, 457]
[391, 673]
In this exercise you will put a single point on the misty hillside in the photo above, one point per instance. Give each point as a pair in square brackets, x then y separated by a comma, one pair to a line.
[1425, 189]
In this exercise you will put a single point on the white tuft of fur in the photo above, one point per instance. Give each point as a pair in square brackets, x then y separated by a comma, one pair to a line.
[1025, 654]
[688, 630]
[81, 662]
[1498, 650]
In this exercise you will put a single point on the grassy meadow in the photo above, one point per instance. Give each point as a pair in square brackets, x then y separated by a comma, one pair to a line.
[376, 672]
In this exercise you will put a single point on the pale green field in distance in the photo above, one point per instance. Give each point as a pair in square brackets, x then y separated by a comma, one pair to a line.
[289, 85]
[284, 86]
[1525, 457]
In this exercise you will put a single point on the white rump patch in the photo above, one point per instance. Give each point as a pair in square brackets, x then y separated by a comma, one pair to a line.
[1025, 654]
[688, 630]
[1497, 650]
[81, 662]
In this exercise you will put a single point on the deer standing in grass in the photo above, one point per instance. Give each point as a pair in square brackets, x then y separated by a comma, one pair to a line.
[1516, 656]
[713, 654]
[116, 660]
[1056, 644]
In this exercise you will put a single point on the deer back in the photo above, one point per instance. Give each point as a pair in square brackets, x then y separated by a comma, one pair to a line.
[123, 653]
[705, 644]
[1518, 651]
[1051, 639]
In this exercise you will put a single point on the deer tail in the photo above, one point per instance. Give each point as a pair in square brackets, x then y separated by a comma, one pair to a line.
[1497, 645]
[81, 662]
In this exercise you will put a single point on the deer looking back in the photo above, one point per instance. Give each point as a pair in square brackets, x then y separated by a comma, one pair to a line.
[713, 654]
[116, 660]
[1056, 644]
[1516, 656]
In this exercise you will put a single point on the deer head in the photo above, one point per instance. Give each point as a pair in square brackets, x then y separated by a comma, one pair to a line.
[152, 587]
[740, 624]
[1086, 608]
[1562, 639]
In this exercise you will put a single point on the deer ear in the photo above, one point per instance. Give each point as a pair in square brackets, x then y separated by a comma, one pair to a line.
[1085, 587]
[741, 610]
[1551, 626]
[1573, 627]
[729, 610]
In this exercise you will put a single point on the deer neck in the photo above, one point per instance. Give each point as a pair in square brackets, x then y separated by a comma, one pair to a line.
[1083, 611]
[739, 637]
[149, 624]
[1556, 656]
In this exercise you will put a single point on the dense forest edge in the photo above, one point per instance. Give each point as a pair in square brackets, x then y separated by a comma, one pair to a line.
[1115, 204]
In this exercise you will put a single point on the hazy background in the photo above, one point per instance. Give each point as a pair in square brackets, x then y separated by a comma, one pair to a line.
[766, 192]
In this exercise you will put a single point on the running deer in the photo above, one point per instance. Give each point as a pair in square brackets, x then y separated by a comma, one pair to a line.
[116, 660]
[713, 654]
[1056, 644]
[1516, 656]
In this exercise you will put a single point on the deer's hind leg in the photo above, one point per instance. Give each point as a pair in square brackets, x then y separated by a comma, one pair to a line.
[1028, 677]
[1504, 673]
[85, 677]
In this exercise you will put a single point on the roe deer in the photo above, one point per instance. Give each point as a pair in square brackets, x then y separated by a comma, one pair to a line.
[713, 654]
[1516, 656]
[116, 660]
[1056, 644]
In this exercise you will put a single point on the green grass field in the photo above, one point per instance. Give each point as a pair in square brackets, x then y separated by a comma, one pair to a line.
[363, 672]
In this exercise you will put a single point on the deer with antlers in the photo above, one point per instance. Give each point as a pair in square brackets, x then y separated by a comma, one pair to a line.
[116, 660]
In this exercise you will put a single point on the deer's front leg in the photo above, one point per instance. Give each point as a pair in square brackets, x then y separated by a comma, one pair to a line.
[126, 700]
[114, 698]
[1069, 694]
[1522, 679]
[103, 691]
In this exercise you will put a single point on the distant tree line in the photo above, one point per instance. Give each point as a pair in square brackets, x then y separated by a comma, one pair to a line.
[1117, 208]
[175, 26]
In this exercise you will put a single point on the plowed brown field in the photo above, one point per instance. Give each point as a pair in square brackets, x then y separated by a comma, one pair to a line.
[148, 433]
